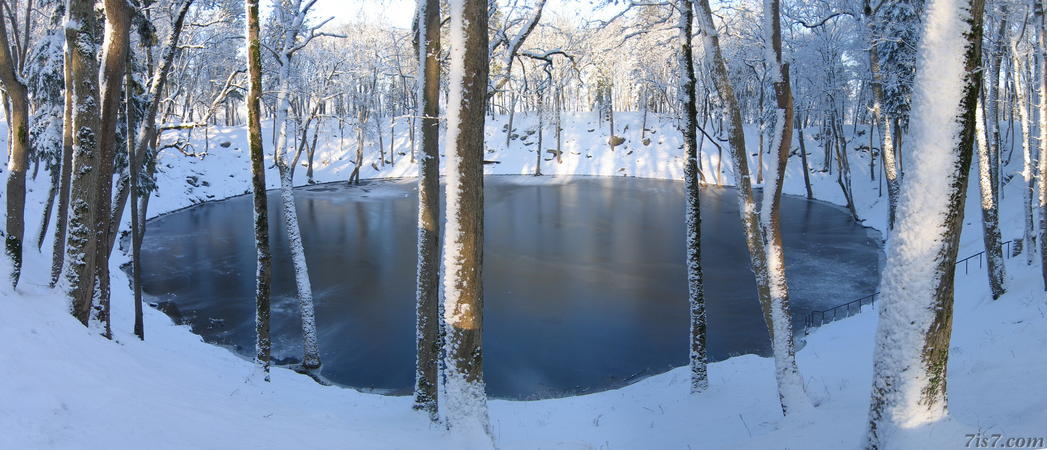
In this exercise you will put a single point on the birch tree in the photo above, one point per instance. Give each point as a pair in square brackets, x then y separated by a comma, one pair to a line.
[911, 350]
[464, 397]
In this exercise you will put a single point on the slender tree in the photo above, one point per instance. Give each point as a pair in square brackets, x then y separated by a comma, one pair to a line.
[263, 275]
[136, 220]
[62, 219]
[911, 350]
[790, 384]
[464, 396]
[293, 14]
[692, 201]
[1028, 180]
[427, 332]
[777, 312]
[990, 208]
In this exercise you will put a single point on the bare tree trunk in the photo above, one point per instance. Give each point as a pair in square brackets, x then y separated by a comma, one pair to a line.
[777, 312]
[1020, 89]
[136, 220]
[803, 159]
[116, 47]
[463, 230]
[990, 210]
[58, 246]
[790, 387]
[18, 124]
[263, 275]
[538, 151]
[293, 17]
[912, 338]
[698, 356]
[427, 321]
[81, 35]
[1041, 48]
[52, 193]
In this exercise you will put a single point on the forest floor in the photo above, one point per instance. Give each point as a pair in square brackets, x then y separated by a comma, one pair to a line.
[63, 386]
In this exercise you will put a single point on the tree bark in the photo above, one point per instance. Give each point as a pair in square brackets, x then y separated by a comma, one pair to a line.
[81, 34]
[912, 338]
[136, 220]
[427, 322]
[58, 245]
[293, 18]
[116, 46]
[777, 311]
[1022, 104]
[463, 228]
[990, 209]
[18, 126]
[698, 358]
[790, 387]
[263, 275]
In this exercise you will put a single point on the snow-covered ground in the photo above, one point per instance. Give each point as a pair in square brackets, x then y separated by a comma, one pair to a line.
[64, 386]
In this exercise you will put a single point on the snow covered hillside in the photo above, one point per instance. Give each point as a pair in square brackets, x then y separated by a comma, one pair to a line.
[63, 386]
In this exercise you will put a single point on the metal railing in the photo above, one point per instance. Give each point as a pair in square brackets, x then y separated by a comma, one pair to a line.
[817, 318]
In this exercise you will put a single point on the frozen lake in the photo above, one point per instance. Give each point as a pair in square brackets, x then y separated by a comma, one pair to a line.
[584, 278]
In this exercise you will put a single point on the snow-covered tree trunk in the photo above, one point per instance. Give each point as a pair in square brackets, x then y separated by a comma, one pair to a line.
[136, 219]
[263, 274]
[17, 95]
[887, 146]
[990, 208]
[1022, 104]
[464, 404]
[427, 331]
[293, 18]
[82, 34]
[790, 387]
[1041, 51]
[692, 201]
[912, 338]
[62, 219]
[777, 313]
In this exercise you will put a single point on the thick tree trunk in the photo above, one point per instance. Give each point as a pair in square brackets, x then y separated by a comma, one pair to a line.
[427, 322]
[698, 358]
[17, 161]
[465, 399]
[263, 275]
[116, 46]
[912, 338]
[81, 33]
